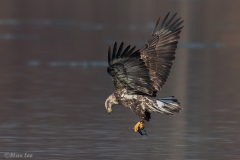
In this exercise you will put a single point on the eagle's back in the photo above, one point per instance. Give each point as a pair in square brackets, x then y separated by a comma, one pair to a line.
[140, 104]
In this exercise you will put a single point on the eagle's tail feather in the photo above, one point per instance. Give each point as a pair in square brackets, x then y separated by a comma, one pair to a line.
[168, 105]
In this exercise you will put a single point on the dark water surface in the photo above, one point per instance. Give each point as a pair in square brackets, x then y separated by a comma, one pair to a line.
[53, 81]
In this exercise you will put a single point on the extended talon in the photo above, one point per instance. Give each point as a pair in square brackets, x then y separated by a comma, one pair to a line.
[138, 126]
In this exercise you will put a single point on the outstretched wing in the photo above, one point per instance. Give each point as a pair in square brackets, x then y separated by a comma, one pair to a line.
[129, 71]
[159, 52]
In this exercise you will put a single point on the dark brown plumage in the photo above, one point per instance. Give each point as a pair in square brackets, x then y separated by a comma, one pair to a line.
[145, 71]
[158, 53]
[139, 75]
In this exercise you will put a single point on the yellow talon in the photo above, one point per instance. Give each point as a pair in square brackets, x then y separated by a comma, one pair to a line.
[138, 126]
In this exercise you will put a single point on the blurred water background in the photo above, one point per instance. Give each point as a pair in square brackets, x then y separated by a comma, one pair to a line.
[53, 80]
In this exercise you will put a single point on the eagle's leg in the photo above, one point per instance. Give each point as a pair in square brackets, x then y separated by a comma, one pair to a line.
[144, 117]
[138, 126]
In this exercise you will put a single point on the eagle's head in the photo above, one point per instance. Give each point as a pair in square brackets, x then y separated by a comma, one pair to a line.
[110, 101]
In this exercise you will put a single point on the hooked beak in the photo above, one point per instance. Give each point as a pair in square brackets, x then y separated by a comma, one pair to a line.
[109, 110]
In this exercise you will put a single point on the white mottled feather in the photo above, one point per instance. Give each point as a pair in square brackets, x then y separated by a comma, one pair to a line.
[162, 108]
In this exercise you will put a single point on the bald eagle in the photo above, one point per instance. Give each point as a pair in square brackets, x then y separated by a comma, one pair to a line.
[139, 75]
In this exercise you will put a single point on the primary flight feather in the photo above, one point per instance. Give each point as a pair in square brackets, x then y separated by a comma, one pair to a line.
[139, 75]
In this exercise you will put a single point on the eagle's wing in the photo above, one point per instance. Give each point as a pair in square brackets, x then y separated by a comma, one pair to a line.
[129, 71]
[145, 71]
[158, 53]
